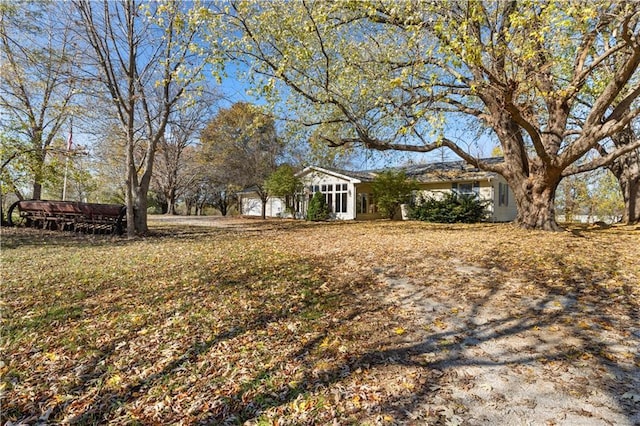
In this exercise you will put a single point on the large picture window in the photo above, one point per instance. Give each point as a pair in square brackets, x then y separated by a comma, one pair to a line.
[341, 198]
[335, 196]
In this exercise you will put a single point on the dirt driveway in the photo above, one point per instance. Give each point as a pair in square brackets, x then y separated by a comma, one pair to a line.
[212, 221]
[513, 354]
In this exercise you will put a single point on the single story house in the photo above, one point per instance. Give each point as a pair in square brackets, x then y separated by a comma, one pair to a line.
[350, 196]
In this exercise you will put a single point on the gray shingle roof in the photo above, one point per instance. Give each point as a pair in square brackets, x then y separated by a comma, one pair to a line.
[431, 172]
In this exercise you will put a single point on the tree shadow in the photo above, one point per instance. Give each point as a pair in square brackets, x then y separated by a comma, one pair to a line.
[101, 402]
[594, 338]
[591, 365]
[20, 237]
[491, 329]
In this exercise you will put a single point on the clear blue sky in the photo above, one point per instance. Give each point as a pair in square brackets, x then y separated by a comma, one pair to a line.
[235, 89]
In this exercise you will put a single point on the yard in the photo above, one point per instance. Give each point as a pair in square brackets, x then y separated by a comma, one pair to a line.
[282, 322]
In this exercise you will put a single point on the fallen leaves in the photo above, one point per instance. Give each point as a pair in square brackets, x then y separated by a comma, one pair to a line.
[295, 324]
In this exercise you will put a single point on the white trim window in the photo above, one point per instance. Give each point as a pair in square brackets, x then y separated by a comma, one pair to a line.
[335, 195]
[341, 198]
[466, 188]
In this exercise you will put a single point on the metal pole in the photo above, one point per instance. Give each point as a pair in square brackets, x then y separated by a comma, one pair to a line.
[64, 184]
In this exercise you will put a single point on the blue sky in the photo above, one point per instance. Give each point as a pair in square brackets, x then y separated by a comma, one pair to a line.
[236, 89]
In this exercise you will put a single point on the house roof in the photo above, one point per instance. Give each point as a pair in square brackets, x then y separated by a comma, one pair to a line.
[350, 176]
[429, 172]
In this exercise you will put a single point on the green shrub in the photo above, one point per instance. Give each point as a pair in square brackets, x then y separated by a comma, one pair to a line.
[318, 209]
[390, 190]
[452, 208]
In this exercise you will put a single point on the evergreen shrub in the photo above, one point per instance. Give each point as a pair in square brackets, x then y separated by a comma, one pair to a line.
[318, 209]
[451, 208]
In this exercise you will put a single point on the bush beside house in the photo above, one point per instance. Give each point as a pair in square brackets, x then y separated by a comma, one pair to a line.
[390, 190]
[451, 208]
[318, 209]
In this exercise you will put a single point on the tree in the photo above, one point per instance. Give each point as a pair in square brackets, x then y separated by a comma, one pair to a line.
[176, 167]
[595, 195]
[626, 169]
[284, 183]
[38, 83]
[391, 75]
[607, 197]
[241, 148]
[390, 190]
[222, 198]
[318, 209]
[147, 58]
[572, 197]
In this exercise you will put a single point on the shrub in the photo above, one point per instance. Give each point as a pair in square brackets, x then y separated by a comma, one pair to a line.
[452, 208]
[318, 209]
[390, 190]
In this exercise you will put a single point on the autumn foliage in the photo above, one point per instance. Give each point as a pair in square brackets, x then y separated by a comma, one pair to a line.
[293, 322]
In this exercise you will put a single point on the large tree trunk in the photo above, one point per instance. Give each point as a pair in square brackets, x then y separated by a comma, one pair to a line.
[37, 191]
[141, 205]
[627, 170]
[536, 210]
[535, 197]
[131, 178]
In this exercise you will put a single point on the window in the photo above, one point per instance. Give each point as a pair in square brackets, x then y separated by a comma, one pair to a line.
[363, 202]
[503, 194]
[335, 196]
[472, 188]
[341, 198]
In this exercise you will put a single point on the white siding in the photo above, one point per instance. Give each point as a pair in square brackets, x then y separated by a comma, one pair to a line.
[504, 202]
[276, 207]
[316, 181]
[490, 190]
[252, 206]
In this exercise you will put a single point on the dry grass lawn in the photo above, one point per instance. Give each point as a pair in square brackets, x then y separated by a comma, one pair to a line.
[282, 322]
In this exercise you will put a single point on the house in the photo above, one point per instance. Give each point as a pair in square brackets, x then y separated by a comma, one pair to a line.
[350, 195]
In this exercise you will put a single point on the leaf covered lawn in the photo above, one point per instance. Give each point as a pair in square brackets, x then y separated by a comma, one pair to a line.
[295, 323]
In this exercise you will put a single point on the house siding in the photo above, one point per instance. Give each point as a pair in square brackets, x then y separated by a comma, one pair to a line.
[504, 210]
[438, 189]
[354, 198]
[251, 205]
[316, 181]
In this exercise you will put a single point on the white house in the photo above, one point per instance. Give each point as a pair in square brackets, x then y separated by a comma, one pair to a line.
[350, 196]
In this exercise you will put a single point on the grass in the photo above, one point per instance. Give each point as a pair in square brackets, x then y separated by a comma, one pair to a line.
[284, 321]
